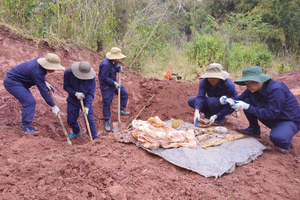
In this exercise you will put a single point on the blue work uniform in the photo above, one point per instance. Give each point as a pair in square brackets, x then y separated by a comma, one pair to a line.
[277, 108]
[87, 87]
[19, 79]
[107, 76]
[208, 98]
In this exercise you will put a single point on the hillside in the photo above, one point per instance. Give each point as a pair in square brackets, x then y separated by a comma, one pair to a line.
[44, 166]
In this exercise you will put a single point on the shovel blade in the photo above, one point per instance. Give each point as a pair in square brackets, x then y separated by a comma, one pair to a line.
[118, 126]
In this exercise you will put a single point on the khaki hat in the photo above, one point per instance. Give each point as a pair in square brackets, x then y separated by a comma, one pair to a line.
[115, 54]
[215, 70]
[83, 70]
[253, 73]
[50, 62]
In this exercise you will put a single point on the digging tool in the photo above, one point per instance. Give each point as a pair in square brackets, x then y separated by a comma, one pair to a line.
[61, 122]
[141, 111]
[86, 121]
[118, 125]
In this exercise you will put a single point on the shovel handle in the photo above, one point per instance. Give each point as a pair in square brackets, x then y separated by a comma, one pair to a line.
[119, 99]
[86, 121]
[61, 122]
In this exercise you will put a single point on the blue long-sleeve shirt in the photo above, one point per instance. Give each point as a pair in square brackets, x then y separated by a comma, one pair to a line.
[274, 102]
[107, 73]
[31, 73]
[73, 85]
[224, 88]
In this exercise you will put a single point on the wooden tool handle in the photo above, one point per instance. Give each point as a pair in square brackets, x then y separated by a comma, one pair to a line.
[86, 121]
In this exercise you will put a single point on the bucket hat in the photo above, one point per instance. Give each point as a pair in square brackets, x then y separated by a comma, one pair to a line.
[114, 54]
[83, 70]
[252, 73]
[50, 62]
[215, 70]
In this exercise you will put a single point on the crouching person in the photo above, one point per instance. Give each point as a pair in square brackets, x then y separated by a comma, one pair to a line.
[80, 83]
[214, 85]
[20, 78]
[270, 102]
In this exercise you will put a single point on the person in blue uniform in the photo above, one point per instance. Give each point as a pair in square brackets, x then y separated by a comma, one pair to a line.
[109, 84]
[270, 102]
[214, 85]
[80, 83]
[20, 78]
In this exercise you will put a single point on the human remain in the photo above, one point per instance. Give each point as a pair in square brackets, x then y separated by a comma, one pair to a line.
[80, 83]
[109, 84]
[20, 78]
[214, 85]
[272, 103]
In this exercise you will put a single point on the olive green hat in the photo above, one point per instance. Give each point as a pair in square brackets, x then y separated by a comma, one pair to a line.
[253, 73]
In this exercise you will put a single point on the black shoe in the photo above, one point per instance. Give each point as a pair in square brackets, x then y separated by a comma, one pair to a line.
[250, 131]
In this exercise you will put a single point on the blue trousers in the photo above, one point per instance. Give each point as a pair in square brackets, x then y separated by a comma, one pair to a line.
[24, 96]
[281, 131]
[73, 114]
[211, 106]
[107, 98]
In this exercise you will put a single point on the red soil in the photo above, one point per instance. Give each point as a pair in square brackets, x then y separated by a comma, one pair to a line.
[44, 166]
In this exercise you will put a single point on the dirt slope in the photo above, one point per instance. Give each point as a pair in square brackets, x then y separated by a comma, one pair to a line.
[44, 166]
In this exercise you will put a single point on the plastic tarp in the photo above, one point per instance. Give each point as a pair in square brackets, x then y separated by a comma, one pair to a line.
[213, 161]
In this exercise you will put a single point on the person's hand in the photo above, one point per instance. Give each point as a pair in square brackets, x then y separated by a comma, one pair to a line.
[120, 69]
[240, 105]
[49, 87]
[197, 115]
[117, 85]
[55, 110]
[212, 118]
[86, 111]
[79, 95]
[223, 100]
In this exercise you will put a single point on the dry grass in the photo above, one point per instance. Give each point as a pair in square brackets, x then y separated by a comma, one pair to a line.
[53, 43]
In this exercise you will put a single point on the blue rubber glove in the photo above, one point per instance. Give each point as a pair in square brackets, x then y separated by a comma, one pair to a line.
[86, 111]
[223, 100]
[49, 87]
[240, 105]
[212, 118]
[120, 69]
[196, 118]
[79, 95]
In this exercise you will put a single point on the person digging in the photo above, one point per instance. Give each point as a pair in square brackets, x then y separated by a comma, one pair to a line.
[80, 83]
[214, 85]
[20, 78]
[270, 102]
[109, 84]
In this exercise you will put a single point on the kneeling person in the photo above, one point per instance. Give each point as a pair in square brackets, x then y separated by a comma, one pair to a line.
[80, 83]
[270, 102]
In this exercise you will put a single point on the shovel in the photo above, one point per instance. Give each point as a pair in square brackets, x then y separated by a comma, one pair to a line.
[118, 125]
[61, 123]
[86, 120]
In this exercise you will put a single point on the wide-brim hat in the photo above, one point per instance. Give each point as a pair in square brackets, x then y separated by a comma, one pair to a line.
[50, 62]
[83, 70]
[253, 73]
[115, 54]
[215, 70]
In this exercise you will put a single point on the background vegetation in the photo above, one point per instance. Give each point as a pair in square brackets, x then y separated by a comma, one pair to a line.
[181, 35]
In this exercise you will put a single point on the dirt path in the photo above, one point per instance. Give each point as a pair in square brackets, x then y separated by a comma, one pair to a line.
[44, 166]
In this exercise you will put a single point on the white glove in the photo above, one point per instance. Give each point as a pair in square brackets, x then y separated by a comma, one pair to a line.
[86, 111]
[240, 105]
[49, 87]
[223, 100]
[55, 110]
[79, 95]
[197, 115]
[212, 118]
[117, 85]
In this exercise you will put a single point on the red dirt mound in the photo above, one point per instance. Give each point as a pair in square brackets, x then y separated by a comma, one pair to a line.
[44, 166]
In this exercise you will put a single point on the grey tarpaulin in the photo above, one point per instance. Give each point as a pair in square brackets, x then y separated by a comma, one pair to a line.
[214, 161]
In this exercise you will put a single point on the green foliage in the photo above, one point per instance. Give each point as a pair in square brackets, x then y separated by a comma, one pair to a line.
[283, 68]
[206, 49]
[242, 56]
